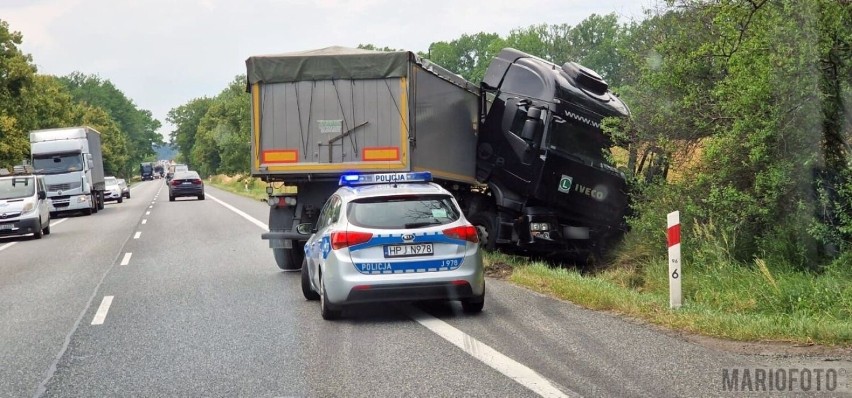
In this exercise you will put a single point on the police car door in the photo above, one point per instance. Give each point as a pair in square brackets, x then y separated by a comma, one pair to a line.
[321, 241]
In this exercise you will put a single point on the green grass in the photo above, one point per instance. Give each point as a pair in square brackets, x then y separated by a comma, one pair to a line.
[245, 185]
[721, 298]
[735, 302]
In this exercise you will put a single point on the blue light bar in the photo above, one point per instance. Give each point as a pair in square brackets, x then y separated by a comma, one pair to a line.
[385, 178]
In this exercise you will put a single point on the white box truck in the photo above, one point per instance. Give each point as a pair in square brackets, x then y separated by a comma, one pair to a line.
[72, 164]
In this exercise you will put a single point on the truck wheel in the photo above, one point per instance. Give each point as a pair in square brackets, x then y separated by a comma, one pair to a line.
[46, 229]
[94, 199]
[307, 290]
[328, 313]
[485, 223]
[290, 259]
[100, 200]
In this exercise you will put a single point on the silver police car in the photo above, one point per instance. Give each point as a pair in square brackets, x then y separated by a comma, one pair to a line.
[392, 237]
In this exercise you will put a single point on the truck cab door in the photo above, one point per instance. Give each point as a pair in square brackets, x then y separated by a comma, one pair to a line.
[516, 135]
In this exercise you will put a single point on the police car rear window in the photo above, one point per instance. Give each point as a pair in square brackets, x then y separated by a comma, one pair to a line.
[402, 212]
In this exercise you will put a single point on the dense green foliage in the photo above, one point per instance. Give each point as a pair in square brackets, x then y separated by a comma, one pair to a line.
[748, 100]
[31, 101]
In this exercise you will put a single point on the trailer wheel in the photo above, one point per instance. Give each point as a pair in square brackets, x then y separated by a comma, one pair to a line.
[485, 223]
[290, 259]
[100, 200]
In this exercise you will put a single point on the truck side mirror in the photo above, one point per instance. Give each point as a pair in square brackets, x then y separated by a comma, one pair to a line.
[533, 127]
[42, 195]
[89, 162]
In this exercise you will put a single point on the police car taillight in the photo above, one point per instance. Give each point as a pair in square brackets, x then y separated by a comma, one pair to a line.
[341, 239]
[465, 232]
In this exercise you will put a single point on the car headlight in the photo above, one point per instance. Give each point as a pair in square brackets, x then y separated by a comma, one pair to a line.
[28, 207]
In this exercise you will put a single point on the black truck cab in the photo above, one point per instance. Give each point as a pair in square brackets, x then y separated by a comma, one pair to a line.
[541, 152]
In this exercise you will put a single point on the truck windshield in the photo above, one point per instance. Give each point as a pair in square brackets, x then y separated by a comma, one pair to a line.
[573, 138]
[16, 187]
[57, 164]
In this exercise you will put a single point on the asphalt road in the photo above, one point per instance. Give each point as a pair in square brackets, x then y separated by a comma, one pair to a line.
[158, 298]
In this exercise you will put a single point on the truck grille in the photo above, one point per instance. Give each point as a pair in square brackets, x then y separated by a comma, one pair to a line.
[64, 187]
[9, 215]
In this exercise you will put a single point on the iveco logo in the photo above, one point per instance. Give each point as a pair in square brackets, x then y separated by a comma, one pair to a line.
[408, 237]
[59, 193]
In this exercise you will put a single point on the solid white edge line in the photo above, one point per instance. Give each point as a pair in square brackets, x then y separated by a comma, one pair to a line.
[138, 233]
[489, 356]
[240, 213]
[10, 244]
[126, 259]
[101, 314]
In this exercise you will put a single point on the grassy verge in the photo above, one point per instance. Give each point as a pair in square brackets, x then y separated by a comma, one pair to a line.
[748, 302]
[738, 303]
[244, 185]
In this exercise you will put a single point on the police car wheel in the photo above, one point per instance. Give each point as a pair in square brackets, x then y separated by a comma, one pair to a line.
[474, 305]
[327, 313]
[307, 290]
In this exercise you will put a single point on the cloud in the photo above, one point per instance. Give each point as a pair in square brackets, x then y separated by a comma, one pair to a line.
[163, 53]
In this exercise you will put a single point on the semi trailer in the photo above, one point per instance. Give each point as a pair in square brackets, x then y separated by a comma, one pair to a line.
[523, 152]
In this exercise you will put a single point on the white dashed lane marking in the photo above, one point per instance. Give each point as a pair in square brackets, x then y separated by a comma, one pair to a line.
[138, 233]
[100, 316]
[144, 221]
[126, 259]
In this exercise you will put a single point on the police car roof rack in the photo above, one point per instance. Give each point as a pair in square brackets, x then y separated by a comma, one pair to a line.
[384, 178]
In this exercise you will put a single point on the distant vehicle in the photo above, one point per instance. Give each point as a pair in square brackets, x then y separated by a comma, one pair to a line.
[158, 171]
[186, 183]
[71, 162]
[173, 169]
[113, 190]
[147, 171]
[125, 190]
[388, 237]
[24, 207]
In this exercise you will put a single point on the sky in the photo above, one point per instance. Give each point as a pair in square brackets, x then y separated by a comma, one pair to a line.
[164, 53]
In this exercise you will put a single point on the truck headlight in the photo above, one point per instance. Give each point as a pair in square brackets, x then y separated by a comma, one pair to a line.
[82, 199]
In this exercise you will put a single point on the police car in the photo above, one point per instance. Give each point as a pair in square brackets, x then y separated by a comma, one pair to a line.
[392, 237]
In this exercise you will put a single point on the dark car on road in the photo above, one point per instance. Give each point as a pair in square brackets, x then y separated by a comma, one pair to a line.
[186, 183]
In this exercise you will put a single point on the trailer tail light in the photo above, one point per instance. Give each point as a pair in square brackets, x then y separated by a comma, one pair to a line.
[465, 232]
[342, 239]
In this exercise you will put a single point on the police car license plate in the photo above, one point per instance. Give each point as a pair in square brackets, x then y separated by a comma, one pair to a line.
[418, 249]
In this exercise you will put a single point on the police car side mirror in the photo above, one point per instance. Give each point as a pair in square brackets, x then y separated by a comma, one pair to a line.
[305, 229]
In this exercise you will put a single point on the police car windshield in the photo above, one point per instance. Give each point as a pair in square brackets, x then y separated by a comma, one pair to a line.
[402, 212]
[16, 187]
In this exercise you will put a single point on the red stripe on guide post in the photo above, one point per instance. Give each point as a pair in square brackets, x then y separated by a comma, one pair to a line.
[674, 235]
